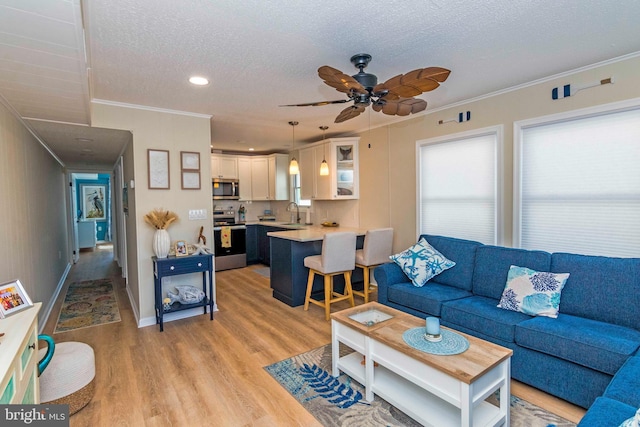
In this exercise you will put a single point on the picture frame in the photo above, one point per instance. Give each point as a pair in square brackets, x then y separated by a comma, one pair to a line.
[190, 160]
[190, 180]
[158, 169]
[13, 298]
[190, 170]
[93, 201]
[181, 248]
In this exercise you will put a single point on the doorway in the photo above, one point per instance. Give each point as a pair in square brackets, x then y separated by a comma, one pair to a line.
[90, 207]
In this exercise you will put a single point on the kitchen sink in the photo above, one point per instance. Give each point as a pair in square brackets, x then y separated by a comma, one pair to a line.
[293, 224]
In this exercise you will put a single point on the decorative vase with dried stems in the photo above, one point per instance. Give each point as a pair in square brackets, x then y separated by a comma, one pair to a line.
[160, 220]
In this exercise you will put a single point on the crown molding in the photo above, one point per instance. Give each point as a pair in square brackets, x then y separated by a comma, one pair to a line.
[147, 108]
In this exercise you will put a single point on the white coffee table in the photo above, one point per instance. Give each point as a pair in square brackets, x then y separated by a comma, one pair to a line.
[433, 390]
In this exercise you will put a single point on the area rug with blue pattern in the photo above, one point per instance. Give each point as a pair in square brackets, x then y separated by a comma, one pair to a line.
[340, 401]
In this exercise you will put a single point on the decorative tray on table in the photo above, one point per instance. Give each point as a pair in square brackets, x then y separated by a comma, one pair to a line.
[370, 317]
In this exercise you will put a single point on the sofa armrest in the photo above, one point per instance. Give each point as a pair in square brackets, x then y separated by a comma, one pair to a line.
[387, 275]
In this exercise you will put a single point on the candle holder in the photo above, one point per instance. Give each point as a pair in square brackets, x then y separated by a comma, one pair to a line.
[433, 337]
[433, 330]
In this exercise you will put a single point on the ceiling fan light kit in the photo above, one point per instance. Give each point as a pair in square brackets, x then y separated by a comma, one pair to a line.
[293, 165]
[394, 97]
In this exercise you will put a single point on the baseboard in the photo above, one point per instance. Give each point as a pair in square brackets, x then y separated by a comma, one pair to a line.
[170, 317]
[47, 312]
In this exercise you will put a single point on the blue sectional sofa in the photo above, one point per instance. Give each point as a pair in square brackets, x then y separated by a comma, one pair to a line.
[575, 356]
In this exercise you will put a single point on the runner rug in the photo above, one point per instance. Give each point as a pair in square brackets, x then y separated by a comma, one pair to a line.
[88, 303]
[341, 403]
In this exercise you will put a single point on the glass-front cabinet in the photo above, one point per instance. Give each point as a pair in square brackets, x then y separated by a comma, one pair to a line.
[344, 168]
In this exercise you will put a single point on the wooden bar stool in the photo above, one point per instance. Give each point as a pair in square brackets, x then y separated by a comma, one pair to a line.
[337, 257]
[375, 251]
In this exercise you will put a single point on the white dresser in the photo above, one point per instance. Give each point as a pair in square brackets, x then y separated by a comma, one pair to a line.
[19, 357]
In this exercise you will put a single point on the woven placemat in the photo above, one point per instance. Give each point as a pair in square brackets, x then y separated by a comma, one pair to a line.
[451, 343]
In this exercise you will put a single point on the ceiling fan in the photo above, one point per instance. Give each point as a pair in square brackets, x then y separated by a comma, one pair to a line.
[394, 97]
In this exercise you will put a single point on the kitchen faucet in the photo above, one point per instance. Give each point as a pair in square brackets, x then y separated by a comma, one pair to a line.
[297, 221]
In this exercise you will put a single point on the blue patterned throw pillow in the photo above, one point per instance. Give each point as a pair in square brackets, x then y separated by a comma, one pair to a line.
[533, 292]
[421, 262]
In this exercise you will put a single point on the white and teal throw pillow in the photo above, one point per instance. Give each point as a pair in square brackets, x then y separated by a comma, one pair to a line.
[421, 262]
[633, 421]
[533, 292]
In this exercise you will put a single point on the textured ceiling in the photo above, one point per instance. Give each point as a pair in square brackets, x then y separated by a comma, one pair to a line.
[260, 54]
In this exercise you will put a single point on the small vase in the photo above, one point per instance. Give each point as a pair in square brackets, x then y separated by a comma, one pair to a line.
[161, 243]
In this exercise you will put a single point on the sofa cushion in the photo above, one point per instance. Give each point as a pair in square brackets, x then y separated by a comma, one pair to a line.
[427, 299]
[596, 345]
[482, 314]
[625, 385]
[532, 292]
[493, 263]
[421, 262]
[606, 412]
[463, 253]
[600, 288]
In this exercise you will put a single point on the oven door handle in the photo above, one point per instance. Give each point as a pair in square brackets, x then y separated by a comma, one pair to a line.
[231, 227]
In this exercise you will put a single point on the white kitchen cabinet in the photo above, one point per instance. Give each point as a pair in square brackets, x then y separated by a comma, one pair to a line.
[269, 178]
[345, 174]
[279, 177]
[341, 155]
[19, 358]
[314, 186]
[259, 178]
[244, 177]
[225, 167]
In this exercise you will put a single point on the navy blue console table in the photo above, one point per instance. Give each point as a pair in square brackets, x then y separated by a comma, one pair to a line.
[173, 266]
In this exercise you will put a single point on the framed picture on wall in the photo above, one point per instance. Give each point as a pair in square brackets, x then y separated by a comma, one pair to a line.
[13, 298]
[190, 170]
[158, 169]
[93, 201]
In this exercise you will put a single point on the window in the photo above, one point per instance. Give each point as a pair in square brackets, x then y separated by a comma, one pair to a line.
[295, 181]
[577, 183]
[458, 179]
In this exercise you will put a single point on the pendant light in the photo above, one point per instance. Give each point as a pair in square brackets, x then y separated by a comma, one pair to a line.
[324, 166]
[293, 166]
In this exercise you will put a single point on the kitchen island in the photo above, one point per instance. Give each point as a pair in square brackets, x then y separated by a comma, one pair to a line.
[288, 273]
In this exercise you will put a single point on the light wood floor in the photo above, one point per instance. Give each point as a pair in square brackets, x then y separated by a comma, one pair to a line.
[208, 373]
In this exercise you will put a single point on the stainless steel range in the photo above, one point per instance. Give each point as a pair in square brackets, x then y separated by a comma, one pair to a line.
[229, 240]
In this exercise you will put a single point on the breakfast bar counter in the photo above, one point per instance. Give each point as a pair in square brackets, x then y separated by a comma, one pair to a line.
[288, 273]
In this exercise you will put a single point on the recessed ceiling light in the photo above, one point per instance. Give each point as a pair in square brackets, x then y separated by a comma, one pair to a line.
[251, 149]
[87, 150]
[198, 81]
[84, 139]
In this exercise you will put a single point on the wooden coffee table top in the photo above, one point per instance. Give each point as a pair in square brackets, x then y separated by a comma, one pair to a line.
[468, 366]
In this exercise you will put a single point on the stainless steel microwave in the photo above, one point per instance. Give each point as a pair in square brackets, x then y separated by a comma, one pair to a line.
[225, 189]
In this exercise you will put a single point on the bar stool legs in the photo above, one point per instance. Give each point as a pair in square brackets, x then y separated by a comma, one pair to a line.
[330, 296]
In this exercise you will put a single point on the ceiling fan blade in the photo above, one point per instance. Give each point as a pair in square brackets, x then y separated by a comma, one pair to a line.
[403, 107]
[315, 104]
[349, 113]
[340, 81]
[413, 83]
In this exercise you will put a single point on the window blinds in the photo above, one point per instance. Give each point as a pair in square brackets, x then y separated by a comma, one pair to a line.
[457, 188]
[580, 185]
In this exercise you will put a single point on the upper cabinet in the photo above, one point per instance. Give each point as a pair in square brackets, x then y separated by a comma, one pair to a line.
[344, 168]
[244, 177]
[224, 166]
[341, 155]
[314, 186]
[264, 177]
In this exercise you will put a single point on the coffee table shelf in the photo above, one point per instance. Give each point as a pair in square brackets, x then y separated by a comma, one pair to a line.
[434, 390]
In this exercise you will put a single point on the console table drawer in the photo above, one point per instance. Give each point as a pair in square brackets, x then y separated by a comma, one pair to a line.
[191, 264]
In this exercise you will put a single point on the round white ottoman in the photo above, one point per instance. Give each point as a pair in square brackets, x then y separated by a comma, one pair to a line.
[69, 378]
